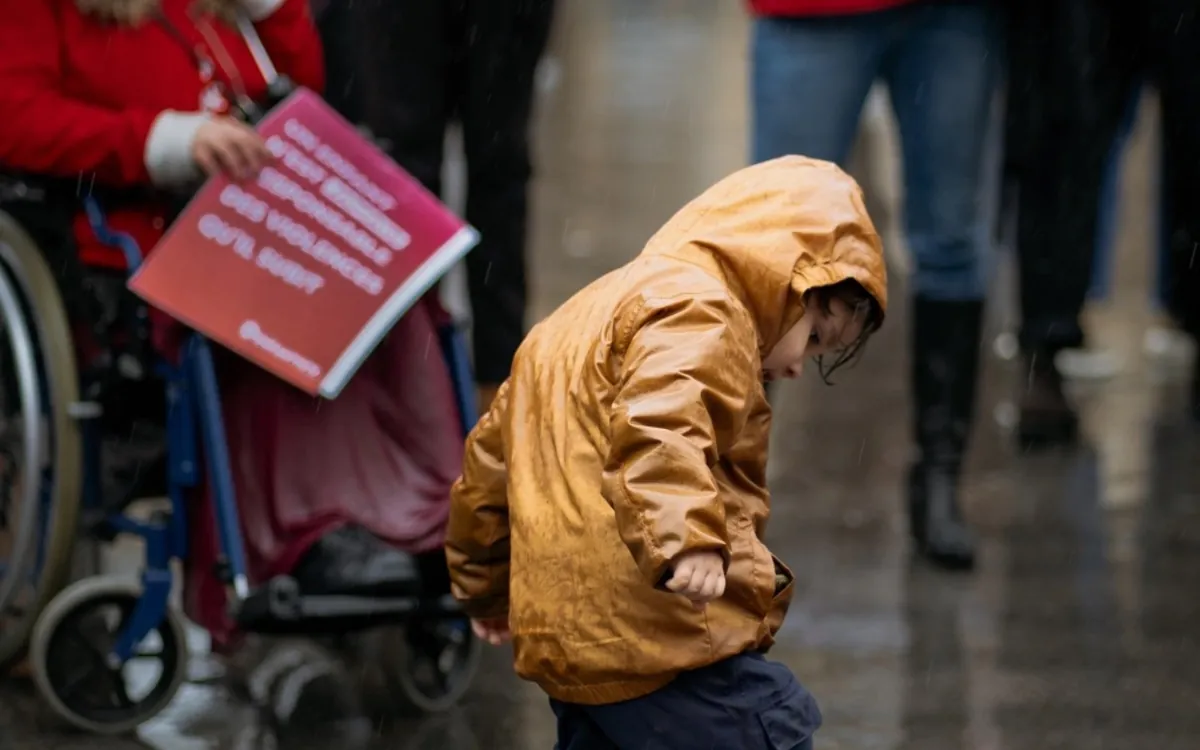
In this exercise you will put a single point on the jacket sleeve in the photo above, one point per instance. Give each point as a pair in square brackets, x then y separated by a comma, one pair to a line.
[287, 31]
[43, 130]
[477, 537]
[687, 373]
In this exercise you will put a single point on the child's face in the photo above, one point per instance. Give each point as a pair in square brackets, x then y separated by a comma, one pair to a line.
[818, 332]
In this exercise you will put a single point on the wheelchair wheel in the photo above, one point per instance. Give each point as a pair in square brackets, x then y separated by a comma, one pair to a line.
[431, 666]
[40, 445]
[69, 654]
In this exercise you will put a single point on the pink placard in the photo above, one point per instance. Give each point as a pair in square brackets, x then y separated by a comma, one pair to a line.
[305, 269]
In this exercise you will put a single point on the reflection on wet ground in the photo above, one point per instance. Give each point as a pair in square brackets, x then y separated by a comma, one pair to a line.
[1079, 629]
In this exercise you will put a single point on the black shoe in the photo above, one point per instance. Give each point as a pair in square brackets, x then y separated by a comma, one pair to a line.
[937, 525]
[351, 561]
[1046, 416]
[945, 364]
[309, 697]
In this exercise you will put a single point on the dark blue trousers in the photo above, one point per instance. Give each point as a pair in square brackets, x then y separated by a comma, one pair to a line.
[743, 703]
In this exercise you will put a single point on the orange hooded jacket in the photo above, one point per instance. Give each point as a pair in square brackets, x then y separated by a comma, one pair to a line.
[634, 428]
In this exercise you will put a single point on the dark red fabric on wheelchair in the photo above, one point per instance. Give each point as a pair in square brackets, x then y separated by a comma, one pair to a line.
[382, 455]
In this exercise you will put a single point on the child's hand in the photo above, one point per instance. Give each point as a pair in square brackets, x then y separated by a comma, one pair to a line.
[494, 630]
[700, 576]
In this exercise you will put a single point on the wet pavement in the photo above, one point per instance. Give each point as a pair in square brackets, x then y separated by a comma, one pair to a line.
[1079, 630]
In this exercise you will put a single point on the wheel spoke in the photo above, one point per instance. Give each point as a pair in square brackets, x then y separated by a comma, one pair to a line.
[90, 642]
[96, 653]
[94, 661]
[120, 691]
[78, 679]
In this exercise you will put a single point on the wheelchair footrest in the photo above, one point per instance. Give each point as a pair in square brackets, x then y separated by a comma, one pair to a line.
[280, 607]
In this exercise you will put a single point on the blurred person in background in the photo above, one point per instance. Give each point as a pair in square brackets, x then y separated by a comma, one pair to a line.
[407, 69]
[813, 64]
[1097, 362]
[1073, 66]
[1162, 340]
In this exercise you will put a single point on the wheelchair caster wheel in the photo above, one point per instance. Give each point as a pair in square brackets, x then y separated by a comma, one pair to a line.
[69, 654]
[436, 665]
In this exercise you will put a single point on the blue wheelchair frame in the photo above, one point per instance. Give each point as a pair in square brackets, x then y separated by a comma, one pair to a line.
[196, 431]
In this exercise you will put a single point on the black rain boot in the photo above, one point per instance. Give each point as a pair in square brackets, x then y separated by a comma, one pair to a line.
[1046, 415]
[945, 368]
[352, 561]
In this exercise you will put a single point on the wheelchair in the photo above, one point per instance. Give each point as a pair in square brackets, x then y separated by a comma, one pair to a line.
[62, 478]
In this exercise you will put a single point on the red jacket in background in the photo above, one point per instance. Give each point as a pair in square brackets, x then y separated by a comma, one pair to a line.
[79, 96]
[821, 7]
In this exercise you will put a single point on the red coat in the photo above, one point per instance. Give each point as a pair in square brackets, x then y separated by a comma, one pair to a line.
[821, 7]
[79, 96]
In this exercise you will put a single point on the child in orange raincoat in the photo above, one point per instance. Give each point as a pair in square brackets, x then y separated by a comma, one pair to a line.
[612, 504]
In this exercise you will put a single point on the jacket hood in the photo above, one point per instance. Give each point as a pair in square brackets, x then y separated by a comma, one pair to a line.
[132, 12]
[777, 230]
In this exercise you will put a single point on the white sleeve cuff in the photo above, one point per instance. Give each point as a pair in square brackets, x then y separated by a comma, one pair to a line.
[169, 148]
[258, 10]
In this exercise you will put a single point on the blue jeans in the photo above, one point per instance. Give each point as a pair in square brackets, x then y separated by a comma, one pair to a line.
[940, 61]
[746, 702]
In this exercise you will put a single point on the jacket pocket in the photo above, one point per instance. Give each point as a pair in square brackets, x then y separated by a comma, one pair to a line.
[785, 579]
[770, 580]
[761, 570]
[783, 587]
